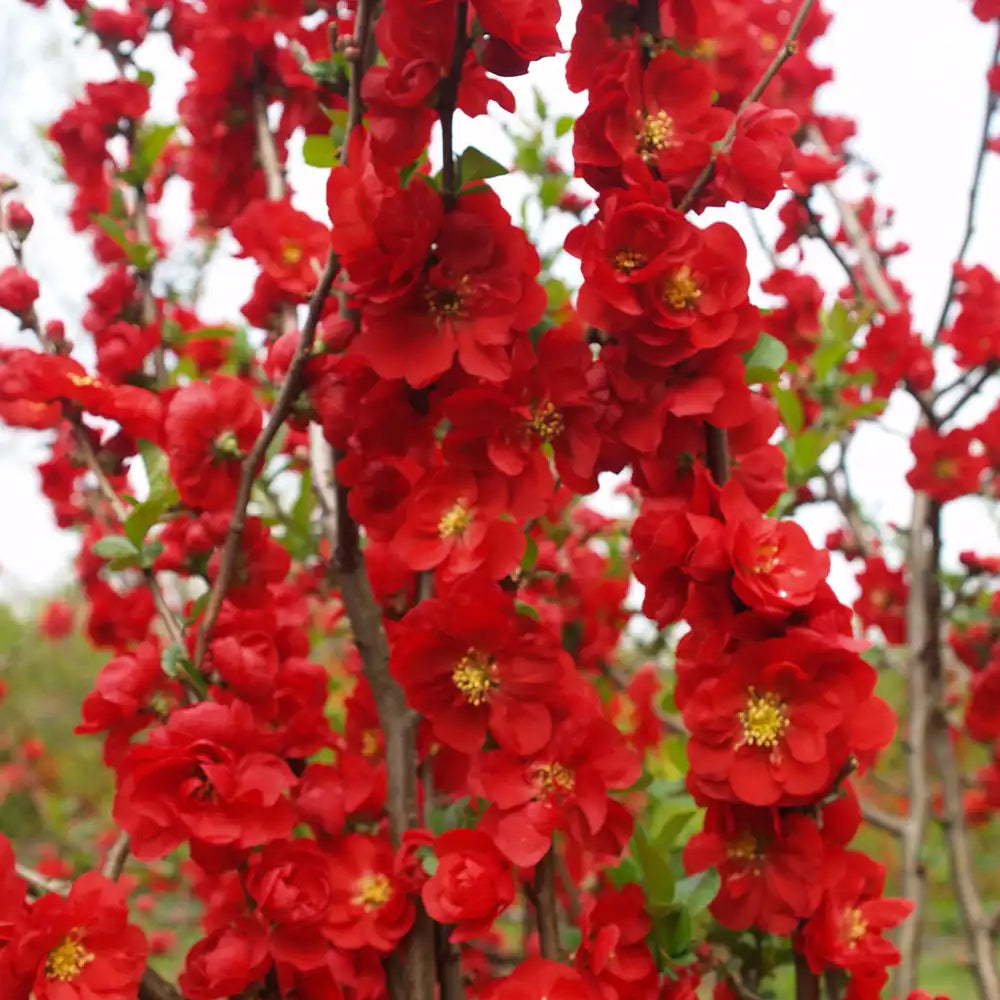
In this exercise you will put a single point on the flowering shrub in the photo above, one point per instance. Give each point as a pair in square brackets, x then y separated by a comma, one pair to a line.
[370, 668]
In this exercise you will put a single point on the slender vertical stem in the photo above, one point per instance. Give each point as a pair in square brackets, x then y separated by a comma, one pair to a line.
[546, 912]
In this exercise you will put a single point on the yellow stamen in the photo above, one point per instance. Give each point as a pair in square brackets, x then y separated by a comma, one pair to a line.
[764, 720]
[66, 961]
[547, 422]
[680, 290]
[455, 521]
[856, 927]
[372, 891]
[476, 676]
[628, 261]
[554, 778]
[655, 133]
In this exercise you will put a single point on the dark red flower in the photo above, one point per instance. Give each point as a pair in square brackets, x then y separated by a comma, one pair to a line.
[209, 427]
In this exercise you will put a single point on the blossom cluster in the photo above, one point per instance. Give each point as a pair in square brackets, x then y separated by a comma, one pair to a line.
[398, 702]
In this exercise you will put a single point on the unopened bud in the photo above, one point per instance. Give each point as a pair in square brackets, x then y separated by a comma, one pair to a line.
[18, 220]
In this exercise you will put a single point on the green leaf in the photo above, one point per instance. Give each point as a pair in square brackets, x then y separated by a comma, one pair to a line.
[530, 556]
[475, 165]
[115, 547]
[320, 151]
[806, 451]
[764, 362]
[157, 466]
[564, 124]
[175, 664]
[697, 891]
[526, 609]
[146, 77]
[541, 108]
[657, 878]
[790, 408]
[140, 255]
[149, 144]
[142, 518]
[672, 829]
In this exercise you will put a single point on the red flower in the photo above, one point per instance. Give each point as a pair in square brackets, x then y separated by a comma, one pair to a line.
[226, 962]
[209, 426]
[200, 778]
[470, 662]
[771, 865]
[471, 885]
[476, 289]
[18, 291]
[780, 721]
[882, 602]
[563, 786]
[56, 620]
[453, 522]
[368, 908]
[647, 123]
[947, 467]
[527, 26]
[12, 891]
[775, 566]
[846, 931]
[78, 948]
[975, 334]
[289, 246]
[543, 979]
[614, 950]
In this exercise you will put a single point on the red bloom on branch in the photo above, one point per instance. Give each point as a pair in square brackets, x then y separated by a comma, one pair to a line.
[476, 289]
[226, 962]
[209, 427]
[368, 907]
[470, 663]
[453, 521]
[780, 721]
[847, 930]
[18, 291]
[771, 865]
[562, 786]
[78, 948]
[882, 601]
[947, 465]
[471, 885]
[542, 979]
[289, 246]
[12, 892]
[200, 778]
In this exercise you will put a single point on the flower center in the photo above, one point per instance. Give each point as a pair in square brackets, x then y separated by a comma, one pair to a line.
[547, 422]
[855, 927]
[766, 558]
[291, 254]
[443, 303]
[475, 676]
[680, 290]
[628, 261]
[81, 380]
[455, 521]
[554, 778]
[743, 848]
[369, 743]
[372, 890]
[655, 134]
[66, 961]
[764, 720]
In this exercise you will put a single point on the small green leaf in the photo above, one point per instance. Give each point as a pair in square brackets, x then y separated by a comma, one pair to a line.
[115, 547]
[157, 466]
[769, 353]
[475, 165]
[564, 124]
[541, 108]
[657, 878]
[790, 408]
[175, 664]
[526, 609]
[151, 551]
[319, 151]
[142, 518]
[530, 556]
[806, 451]
[697, 891]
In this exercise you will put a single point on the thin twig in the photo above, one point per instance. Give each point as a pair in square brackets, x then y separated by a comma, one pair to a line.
[992, 102]
[116, 858]
[818, 232]
[787, 50]
[883, 820]
[970, 392]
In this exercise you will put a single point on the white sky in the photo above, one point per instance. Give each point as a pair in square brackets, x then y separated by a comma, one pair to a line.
[910, 71]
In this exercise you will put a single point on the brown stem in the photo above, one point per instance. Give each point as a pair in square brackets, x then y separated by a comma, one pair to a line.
[784, 53]
[975, 920]
[448, 101]
[923, 639]
[546, 911]
[449, 966]
[717, 453]
[114, 863]
[806, 981]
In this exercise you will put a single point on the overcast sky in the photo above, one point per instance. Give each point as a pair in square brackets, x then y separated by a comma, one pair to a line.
[910, 71]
